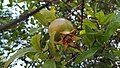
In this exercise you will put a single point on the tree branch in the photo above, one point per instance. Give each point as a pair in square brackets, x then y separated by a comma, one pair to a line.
[82, 12]
[16, 22]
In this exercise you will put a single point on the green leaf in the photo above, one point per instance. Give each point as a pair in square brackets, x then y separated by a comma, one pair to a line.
[35, 41]
[118, 2]
[57, 57]
[43, 56]
[86, 40]
[89, 10]
[110, 56]
[117, 17]
[45, 17]
[31, 55]
[82, 32]
[52, 12]
[104, 19]
[18, 54]
[111, 28]
[90, 34]
[51, 45]
[89, 23]
[100, 16]
[52, 38]
[109, 17]
[49, 64]
[41, 18]
[117, 53]
[1, 6]
[85, 55]
[11, 3]
[34, 55]
[34, 30]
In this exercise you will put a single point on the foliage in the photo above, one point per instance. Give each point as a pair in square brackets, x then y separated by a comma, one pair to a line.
[94, 41]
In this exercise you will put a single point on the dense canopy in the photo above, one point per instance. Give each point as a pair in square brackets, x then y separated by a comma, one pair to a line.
[87, 33]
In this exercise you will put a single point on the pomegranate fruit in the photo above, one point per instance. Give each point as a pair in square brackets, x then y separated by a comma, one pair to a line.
[58, 26]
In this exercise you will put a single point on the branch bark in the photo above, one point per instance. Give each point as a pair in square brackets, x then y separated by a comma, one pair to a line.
[82, 13]
[16, 22]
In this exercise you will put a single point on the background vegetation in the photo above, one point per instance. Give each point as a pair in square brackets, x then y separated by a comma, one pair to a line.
[24, 33]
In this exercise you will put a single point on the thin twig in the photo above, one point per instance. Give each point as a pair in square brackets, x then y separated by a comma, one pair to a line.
[82, 12]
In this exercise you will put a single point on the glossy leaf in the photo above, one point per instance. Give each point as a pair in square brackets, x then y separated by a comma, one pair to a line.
[45, 16]
[86, 40]
[117, 53]
[51, 44]
[118, 2]
[86, 54]
[1, 6]
[43, 56]
[57, 57]
[109, 17]
[11, 3]
[52, 11]
[87, 22]
[104, 19]
[40, 17]
[100, 16]
[89, 10]
[34, 30]
[49, 64]
[31, 55]
[18, 54]
[90, 34]
[35, 41]
[110, 56]
[82, 32]
[111, 28]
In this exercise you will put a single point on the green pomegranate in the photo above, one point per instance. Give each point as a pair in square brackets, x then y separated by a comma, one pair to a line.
[58, 26]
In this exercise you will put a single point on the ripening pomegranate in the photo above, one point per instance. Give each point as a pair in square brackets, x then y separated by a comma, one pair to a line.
[58, 26]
